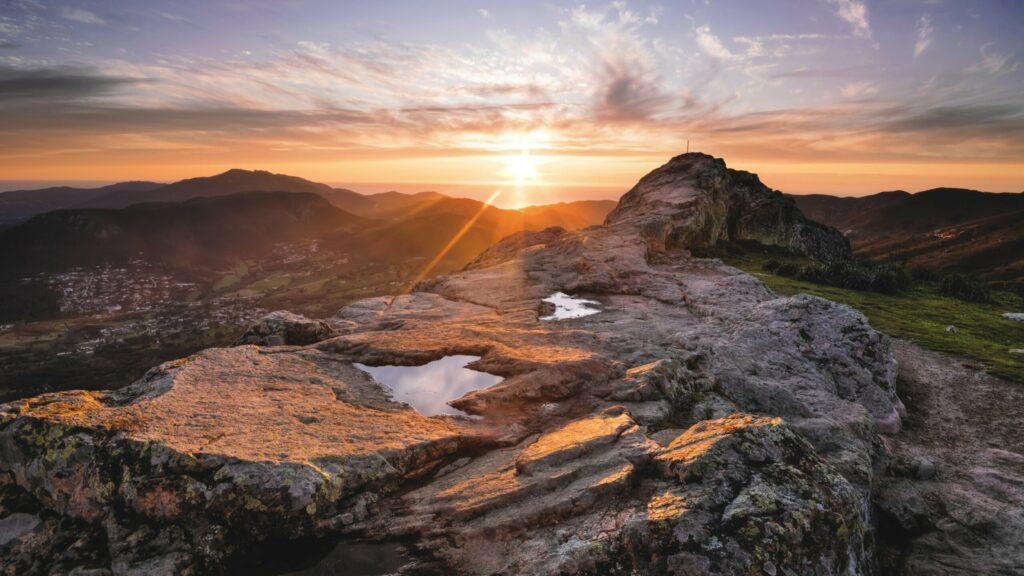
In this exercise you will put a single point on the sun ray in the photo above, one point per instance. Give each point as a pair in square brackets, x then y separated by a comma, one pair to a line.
[445, 250]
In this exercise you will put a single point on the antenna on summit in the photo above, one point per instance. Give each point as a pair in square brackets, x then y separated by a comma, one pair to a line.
[687, 145]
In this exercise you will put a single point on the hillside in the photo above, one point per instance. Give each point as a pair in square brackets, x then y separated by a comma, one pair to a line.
[425, 228]
[661, 415]
[19, 205]
[945, 229]
[692, 401]
[201, 232]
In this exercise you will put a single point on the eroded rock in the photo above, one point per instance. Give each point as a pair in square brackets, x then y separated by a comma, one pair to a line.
[282, 328]
[210, 456]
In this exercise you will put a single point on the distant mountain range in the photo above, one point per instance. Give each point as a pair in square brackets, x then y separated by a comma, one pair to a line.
[20, 205]
[199, 232]
[945, 229]
[204, 222]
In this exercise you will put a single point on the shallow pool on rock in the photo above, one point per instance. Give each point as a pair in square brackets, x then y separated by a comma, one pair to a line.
[430, 387]
[568, 307]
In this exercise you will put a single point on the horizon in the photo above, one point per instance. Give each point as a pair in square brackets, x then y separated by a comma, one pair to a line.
[512, 198]
[541, 98]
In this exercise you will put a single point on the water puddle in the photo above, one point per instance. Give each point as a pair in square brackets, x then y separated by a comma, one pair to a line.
[430, 387]
[568, 307]
[358, 559]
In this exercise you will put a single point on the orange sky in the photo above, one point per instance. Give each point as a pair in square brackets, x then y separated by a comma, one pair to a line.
[544, 100]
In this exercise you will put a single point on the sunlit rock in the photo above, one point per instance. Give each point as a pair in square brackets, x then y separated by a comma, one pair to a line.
[624, 445]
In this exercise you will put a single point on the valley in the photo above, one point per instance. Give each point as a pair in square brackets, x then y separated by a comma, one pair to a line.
[94, 297]
[944, 229]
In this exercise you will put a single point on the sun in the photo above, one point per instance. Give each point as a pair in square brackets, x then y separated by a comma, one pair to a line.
[522, 167]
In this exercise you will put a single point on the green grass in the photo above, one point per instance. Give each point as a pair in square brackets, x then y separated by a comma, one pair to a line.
[920, 316]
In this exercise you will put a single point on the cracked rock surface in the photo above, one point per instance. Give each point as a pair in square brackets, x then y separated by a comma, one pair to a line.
[699, 424]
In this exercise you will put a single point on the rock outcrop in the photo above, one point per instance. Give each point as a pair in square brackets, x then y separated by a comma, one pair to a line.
[695, 201]
[285, 328]
[699, 424]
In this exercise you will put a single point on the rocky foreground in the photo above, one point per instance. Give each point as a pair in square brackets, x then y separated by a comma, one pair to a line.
[699, 424]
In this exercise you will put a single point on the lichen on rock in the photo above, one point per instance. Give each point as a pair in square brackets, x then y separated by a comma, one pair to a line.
[777, 402]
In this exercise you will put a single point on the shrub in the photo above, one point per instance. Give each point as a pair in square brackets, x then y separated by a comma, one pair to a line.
[852, 275]
[922, 274]
[787, 269]
[891, 279]
[963, 287]
[813, 273]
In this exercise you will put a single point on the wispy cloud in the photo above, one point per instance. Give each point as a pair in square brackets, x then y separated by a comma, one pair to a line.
[855, 12]
[42, 86]
[609, 79]
[924, 36]
[859, 89]
[81, 16]
[994, 63]
[713, 45]
[621, 62]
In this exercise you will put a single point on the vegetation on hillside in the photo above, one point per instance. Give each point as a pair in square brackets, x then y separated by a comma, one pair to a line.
[922, 314]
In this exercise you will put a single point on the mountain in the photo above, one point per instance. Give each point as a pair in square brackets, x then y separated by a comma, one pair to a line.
[200, 232]
[695, 423]
[946, 229]
[231, 182]
[775, 409]
[19, 205]
[386, 206]
[569, 215]
[464, 227]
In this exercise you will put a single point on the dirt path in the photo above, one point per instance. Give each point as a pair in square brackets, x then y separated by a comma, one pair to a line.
[952, 498]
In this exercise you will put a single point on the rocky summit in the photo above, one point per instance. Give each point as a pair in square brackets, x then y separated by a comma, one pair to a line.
[697, 424]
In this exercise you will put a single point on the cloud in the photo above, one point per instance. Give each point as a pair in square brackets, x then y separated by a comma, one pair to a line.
[855, 12]
[845, 72]
[1001, 118]
[858, 90]
[621, 64]
[55, 83]
[711, 44]
[81, 16]
[602, 82]
[993, 63]
[484, 12]
[924, 36]
[628, 96]
[8, 45]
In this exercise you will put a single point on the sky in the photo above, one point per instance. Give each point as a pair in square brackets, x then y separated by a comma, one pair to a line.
[552, 100]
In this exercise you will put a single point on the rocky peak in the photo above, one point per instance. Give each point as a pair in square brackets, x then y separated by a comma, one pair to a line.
[694, 200]
[697, 424]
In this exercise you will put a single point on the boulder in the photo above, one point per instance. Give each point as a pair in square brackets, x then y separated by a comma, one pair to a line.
[284, 328]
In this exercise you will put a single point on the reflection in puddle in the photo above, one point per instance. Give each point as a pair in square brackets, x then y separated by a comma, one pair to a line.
[358, 559]
[429, 388]
[567, 307]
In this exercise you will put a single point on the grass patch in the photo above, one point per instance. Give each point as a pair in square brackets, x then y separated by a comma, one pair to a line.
[921, 315]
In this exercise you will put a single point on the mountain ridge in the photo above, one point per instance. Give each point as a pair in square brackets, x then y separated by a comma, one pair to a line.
[17, 206]
[944, 229]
